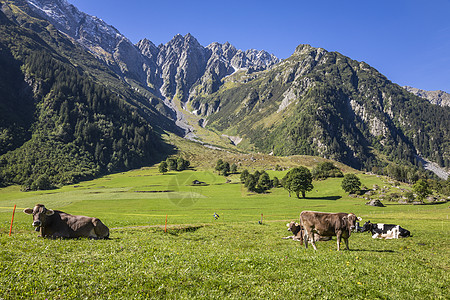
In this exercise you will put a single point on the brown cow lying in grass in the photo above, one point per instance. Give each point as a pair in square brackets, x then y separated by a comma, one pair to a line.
[58, 224]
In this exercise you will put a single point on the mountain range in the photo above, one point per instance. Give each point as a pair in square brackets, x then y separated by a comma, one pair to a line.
[86, 85]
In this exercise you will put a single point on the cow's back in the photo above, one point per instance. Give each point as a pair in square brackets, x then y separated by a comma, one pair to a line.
[73, 226]
[83, 226]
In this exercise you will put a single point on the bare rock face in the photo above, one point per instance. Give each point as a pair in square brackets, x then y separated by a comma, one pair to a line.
[102, 40]
[182, 62]
[188, 69]
[440, 98]
[182, 67]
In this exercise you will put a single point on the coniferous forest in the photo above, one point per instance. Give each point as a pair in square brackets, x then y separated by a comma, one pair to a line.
[59, 125]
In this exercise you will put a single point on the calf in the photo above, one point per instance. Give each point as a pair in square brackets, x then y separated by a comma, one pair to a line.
[297, 230]
[328, 224]
[385, 231]
[58, 224]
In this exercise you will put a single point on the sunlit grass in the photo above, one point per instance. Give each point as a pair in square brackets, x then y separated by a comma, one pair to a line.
[232, 257]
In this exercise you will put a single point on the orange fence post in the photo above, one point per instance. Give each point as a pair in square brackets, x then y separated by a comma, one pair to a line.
[12, 220]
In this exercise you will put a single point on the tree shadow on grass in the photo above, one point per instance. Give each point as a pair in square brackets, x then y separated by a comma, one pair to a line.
[334, 198]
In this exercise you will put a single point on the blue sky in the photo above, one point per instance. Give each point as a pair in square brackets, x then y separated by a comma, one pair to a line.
[406, 40]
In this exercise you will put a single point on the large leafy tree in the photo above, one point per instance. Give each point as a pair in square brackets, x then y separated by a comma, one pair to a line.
[298, 180]
[422, 189]
[351, 183]
[264, 182]
[162, 167]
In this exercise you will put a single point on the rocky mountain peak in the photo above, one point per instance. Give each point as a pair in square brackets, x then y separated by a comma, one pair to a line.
[183, 41]
[440, 98]
[303, 49]
[180, 68]
[147, 48]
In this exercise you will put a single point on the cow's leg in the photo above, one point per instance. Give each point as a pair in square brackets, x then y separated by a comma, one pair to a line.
[312, 240]
[346, 243]
[313, 244]
[338, 238]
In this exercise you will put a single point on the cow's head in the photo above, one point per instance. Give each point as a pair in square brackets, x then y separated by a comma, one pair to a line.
[350, 220]
[367, 227]
[40, 214]
[294, 227]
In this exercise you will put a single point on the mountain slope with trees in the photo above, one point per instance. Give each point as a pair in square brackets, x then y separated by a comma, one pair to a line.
[65, 117]
[84, 101]
[323, 103]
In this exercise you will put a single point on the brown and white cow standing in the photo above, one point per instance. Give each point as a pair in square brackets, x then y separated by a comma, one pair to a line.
[327, 224]
[58, 224]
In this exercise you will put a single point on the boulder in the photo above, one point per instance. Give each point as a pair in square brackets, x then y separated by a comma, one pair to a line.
[375, 202]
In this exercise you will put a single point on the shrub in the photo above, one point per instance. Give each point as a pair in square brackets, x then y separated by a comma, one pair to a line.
[325, 170]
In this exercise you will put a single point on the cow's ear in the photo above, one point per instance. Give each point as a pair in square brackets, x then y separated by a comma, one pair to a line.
[28, 211]
[49, 212]
[296, 224]
[359, 219]
[287, 225]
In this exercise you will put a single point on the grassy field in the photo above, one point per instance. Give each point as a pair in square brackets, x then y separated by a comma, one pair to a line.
[232, 257]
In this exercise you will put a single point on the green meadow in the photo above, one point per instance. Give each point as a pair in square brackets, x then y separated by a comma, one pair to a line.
[231, 257]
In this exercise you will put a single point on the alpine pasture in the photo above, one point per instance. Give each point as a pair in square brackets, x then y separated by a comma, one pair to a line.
[231, 257]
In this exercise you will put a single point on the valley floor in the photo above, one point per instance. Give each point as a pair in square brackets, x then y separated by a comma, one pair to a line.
[232, 257]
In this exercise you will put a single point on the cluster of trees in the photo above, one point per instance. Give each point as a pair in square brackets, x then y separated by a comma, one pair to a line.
[422, 189]
[224, 167]
[258, 182]
[174, 164]
[325, 170]
[440, 186]
[298, 180]
[402, 173]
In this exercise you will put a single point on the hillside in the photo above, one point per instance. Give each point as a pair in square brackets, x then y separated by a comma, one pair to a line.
[90, 102]
[323, 103]
[72, 118]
